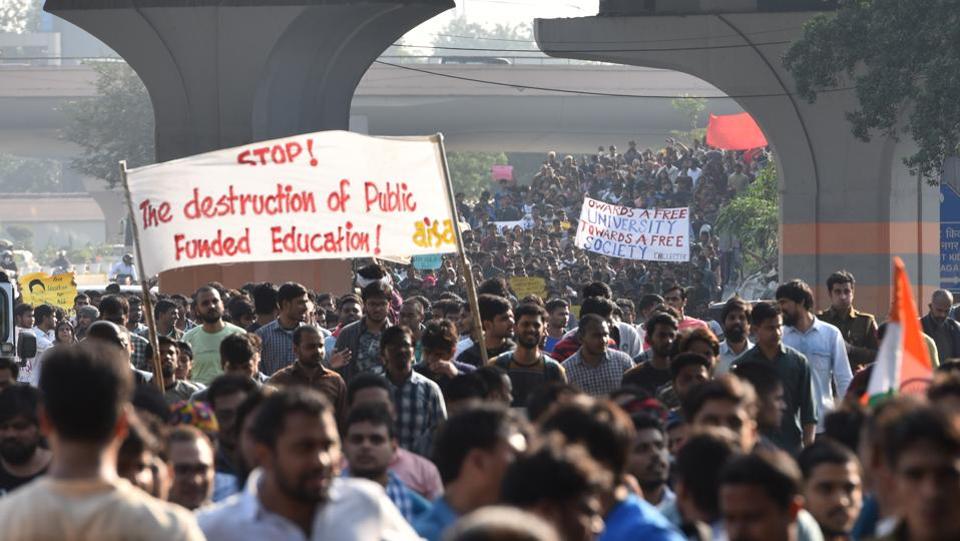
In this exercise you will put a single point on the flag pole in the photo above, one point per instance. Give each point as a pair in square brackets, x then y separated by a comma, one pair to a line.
[147, 303]
[461, 252]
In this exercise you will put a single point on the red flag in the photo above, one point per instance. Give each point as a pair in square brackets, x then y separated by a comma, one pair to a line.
[734, 132]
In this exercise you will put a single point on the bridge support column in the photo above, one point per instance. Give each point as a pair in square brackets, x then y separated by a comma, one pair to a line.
[845, 204]
[223, 74]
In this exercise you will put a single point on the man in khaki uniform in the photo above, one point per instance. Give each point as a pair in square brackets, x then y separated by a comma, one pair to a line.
[859, 329]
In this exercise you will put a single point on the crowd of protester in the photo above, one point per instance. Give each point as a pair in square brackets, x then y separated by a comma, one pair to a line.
[615, 406]
[548, 208]
[293, 414]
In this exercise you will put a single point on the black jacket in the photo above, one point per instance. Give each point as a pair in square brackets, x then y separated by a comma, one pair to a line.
[953, 329]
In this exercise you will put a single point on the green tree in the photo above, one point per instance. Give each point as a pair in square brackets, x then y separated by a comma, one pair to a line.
[903, 59]
[460, 32]
[33, 175]
[115, 125]
[692, 108]
[18, 16]
[470, 171]
[22, 236]
[753, 217]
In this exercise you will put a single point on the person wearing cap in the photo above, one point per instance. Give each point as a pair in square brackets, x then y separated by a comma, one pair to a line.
[124, 267]
[86, 315]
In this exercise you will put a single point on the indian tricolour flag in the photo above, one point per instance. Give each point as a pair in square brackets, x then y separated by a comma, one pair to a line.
[903, 362]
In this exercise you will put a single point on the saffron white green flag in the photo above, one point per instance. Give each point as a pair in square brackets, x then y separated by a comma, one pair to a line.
[903, 362]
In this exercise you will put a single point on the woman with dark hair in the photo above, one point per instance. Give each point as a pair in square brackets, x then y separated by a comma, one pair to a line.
[65, 333]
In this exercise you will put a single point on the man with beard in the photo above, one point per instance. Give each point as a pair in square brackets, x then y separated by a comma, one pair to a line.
[411, 315]
[86, 315]
[296, 492]
[649, 460]
[308, 369]
[362, 337]
[820, 342]
[175, 389]
[369, 444]
[205, 339]
[832, 487]
[497, 320]
[654, 372]
[735, 317]
[528, 367]
[937, 324]
[21, 457]
[277, 350]
[135, 316]
[595, 368]
[676, 297]
[167, 315]
[417, 400]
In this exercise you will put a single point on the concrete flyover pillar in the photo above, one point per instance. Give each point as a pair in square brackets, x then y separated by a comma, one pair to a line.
[222, 73]
[845, 204]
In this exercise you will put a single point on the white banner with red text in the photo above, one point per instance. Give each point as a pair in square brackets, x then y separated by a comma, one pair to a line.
[630, 233]
[324, 195]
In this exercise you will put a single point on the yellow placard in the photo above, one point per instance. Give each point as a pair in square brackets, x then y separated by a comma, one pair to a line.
[575, 310]
[528, 285]
[41, 288]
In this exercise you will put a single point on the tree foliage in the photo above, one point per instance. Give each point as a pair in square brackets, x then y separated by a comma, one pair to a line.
[33, 175]
[22, 236]
[904, 60]
[753, 217]
[19, 16]
[693, 109]
[460, 32]
[470, 171]
[115, 125]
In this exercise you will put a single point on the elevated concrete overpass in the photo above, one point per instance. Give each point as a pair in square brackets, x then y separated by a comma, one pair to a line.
[845, 203]
[397, 100]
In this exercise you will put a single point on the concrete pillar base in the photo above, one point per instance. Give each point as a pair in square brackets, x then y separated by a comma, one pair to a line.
[329, 275]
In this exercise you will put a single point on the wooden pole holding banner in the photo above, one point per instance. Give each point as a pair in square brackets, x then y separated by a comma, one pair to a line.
[464, 264]
[147, 303]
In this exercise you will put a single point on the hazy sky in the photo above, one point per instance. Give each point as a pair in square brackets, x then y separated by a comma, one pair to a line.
[491, 12]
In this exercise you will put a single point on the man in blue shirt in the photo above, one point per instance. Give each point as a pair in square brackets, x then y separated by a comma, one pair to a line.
[369, 445]
[472, 451]
[607, 433]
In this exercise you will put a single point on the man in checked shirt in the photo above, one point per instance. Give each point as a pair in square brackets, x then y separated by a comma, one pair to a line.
[417, 399]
